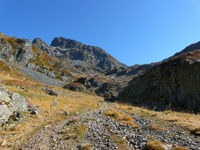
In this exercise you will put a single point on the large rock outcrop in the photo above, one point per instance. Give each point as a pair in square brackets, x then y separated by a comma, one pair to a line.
[15, 50]
[172, 84]
[11, 103]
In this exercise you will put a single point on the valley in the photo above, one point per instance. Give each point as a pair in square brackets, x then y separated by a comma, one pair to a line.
[77, 96]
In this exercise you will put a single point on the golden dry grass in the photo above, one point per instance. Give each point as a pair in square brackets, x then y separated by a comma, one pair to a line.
[180, 148]
[157, 145]
[186, 121]
[74, 131]
[155, 127]
[73, 102]
[120, 117]
[86, 147]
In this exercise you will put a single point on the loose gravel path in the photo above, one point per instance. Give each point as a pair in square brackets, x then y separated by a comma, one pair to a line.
[97, 135]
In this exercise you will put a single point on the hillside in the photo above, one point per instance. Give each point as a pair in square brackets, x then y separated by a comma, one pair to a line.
[52, 98]
[76, 120]
[171, 84]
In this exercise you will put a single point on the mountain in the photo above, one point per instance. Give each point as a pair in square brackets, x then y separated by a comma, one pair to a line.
[39, 110]
[171, 84]
[79, 57]
[63, 64]
[189, 48]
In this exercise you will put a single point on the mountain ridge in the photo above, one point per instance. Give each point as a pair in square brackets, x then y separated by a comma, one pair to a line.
[83, 69]
[58, 118]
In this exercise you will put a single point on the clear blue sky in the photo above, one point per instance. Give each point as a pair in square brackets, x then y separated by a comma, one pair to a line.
[133, 31]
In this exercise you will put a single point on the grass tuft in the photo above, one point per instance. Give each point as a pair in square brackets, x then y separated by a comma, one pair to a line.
[120, 117]
[86, 147]
[155, 127]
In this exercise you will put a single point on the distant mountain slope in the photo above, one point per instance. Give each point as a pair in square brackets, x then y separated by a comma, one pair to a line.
[189, 48]
[78, 56]
[174, 83]
[69, 63]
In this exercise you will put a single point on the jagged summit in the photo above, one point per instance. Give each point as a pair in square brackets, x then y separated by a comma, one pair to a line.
[39, 42]
[79, 56]
[66, 43]
[190, 48]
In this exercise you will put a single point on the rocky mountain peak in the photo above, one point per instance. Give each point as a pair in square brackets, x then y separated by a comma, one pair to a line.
[80, 56]
[189, 48]
[66, 43]
[39, 43]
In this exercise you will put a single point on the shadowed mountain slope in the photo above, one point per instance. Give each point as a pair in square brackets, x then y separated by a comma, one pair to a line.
[174, 83]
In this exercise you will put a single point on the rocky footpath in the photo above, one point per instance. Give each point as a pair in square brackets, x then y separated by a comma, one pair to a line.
[98, 135]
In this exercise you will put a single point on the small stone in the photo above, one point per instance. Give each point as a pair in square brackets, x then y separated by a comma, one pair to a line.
[47, 126]
[4, 143]
[50, 92]
[66, 113]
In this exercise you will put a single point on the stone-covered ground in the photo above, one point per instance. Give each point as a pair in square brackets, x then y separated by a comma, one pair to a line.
[93, 130]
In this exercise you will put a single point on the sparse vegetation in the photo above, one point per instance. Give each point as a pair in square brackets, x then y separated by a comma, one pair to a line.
[74, 131]
[186, 121]
[155, 127]
[157, 145]
[86, 147]
[121, 117]
[67, 101]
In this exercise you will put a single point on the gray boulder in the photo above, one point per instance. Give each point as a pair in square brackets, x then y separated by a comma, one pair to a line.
[51, 74]
[10, 103]
[5, 113]
[50, 92]
[19, 103]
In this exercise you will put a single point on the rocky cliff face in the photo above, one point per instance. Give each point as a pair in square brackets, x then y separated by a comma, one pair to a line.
[172, 84]
[15, 50]
[81, 57]
[63, 60]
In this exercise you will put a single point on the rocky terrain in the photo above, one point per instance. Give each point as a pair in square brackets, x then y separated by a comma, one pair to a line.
[11, 104]
[102, 132]
[77, 56]
[53, 97]
[172, 84]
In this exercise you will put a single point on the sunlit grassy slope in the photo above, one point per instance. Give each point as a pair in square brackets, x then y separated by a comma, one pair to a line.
[188, 121]
[51, 107]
